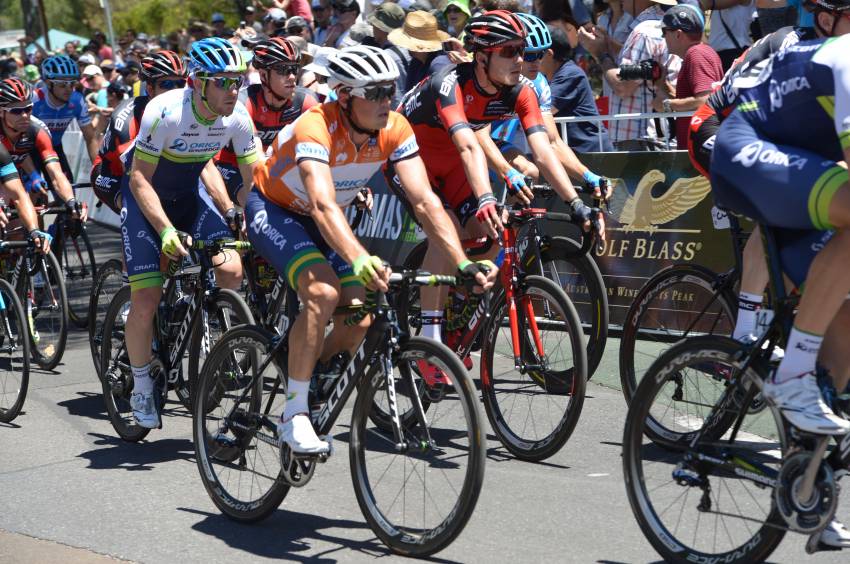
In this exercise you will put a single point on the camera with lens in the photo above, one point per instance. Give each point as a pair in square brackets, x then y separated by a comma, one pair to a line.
[644, 70]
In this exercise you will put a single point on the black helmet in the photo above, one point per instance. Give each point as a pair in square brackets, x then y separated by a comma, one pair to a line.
[14, 91]
[492, 29]
[829, 5]
[275, 51]
[162, 64]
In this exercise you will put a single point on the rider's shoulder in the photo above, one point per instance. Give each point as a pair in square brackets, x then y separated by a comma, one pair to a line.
[36, 124]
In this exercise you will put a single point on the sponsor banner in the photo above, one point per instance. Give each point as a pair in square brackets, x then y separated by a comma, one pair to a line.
[661, 213]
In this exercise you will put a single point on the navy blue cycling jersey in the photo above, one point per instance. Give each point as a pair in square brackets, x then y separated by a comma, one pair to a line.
[801, 98]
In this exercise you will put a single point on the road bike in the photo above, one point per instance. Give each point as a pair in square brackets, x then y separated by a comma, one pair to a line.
[533, 359]
[416, 483]
[714, 473]
[191, 315]
[14, 347]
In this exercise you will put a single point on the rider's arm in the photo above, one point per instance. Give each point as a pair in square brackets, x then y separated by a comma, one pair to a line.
[495, 159]
[60, 182]
[428, 208]
[248, 150]
[566, 156]
[84, 119]
[92, 139]
[18, 195]
[215, 187]
[146, 197]
[332, 223]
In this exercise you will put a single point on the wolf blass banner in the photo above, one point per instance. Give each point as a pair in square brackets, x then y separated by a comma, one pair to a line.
[661, 213]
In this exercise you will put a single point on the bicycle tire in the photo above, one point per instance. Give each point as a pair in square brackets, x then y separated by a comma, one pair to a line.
[399, 538]
[585, 273]
[116, 378]
[223, 299]
[16, 322]
[210, 454]
[109, 279]
[78, 310]
[49, 354]
[553, 384]
[640, 313]
[639, 475]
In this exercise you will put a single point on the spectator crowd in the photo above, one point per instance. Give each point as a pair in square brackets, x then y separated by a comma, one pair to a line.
[643, 56]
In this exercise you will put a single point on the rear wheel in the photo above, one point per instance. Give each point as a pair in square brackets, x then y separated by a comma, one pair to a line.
[78, 264]
[14, 354]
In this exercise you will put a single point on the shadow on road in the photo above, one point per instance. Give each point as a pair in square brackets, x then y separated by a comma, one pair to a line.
[287, 533]
[87, 404]
[114, 453]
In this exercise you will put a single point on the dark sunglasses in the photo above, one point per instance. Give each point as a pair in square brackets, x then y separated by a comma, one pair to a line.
[533, 57]
[286, 70]
[68, 83]
[21, 110]
[171, 83]
[509, 51]
[374, 93]
[226, 83]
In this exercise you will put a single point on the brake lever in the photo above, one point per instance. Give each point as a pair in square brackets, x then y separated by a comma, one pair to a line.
[597, 230]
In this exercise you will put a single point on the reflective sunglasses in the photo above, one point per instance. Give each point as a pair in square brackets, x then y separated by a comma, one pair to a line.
[224, 82]
[21, 110]
[533, 57]
[374, 93]
[508, 51]
[171, 83]
[69, 83]
[286, 70]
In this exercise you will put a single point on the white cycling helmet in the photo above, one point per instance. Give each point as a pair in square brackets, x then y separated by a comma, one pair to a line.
[360, 66]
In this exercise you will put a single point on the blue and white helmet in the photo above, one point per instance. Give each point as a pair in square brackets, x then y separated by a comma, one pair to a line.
[60, 67]
[538, 37]
[215, 55]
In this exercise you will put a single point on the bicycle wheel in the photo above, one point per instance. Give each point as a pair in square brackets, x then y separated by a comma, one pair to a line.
[116, 375]
[76, 257]
[224, 311]
[730, 517]
[45, 301]
[580, 278]
[534, 411]
[679, 302]
[234, 426]
[14, 354]
[109, 279]
[418, 505]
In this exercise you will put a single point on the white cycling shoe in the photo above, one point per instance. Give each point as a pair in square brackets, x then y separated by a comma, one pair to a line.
[299, 434]
[801, 403]
[144, 410]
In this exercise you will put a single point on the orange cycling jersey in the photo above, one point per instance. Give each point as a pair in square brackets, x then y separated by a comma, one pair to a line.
[320, 135]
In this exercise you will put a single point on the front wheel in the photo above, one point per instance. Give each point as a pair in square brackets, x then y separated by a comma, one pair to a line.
[78, 265]
[438, 467]
[235, 409]
[109, 279]
[45, 298]
[534, 399]
[14, 354]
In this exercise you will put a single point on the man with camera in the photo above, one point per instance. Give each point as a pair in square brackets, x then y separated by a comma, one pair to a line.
[642, 63]
[682, 27]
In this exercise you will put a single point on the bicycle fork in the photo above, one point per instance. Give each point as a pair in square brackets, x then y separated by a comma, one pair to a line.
[509, 280]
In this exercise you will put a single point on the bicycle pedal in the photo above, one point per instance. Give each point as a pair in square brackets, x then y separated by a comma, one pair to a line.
[814, 545]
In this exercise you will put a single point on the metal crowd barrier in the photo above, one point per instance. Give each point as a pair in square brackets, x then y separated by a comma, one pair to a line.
[563, 121]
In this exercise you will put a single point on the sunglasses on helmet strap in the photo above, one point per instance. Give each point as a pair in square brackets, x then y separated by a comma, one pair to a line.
[224, 82]
[534, 56]
[508, 51]
[20, 111]
[286, 70]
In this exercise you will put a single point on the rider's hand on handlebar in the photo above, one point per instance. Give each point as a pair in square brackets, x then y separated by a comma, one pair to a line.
[488, 214]
[172, 246]
[482, 272]
[588, 217]
[373, 272]
[78, 210]
[597, 182]
[234, 219]
[515, 183]
[364, 199]
[41, 240]
[34, 182]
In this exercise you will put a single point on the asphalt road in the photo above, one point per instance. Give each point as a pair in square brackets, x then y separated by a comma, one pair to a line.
[72, 491]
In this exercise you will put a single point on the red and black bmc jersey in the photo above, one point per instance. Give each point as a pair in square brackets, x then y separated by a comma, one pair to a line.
[450, 99]
[269, 122]
[122, 130]
[34, 141]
